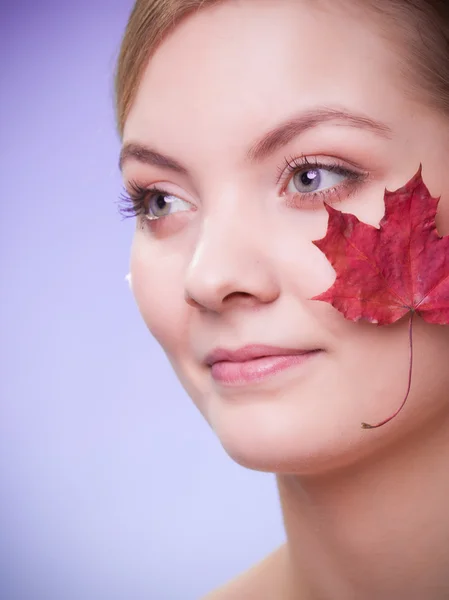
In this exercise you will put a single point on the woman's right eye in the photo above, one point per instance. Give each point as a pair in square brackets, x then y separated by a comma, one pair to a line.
[159, 204]
[151, 203]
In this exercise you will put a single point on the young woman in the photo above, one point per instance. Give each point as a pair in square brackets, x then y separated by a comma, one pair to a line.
[240, 121]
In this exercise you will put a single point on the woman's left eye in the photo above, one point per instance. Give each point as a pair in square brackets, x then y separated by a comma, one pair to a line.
[309, 181]
[315, 179]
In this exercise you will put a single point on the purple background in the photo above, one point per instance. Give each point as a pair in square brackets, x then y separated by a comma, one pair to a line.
[111, 485]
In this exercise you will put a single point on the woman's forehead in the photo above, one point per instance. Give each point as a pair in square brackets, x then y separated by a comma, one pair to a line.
[250, 60]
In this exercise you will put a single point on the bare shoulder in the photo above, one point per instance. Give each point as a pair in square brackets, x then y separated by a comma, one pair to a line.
[263, 581]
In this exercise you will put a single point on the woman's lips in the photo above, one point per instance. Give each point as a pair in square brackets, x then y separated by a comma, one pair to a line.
[240, 372]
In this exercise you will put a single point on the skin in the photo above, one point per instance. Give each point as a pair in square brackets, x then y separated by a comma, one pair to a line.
[365, 512]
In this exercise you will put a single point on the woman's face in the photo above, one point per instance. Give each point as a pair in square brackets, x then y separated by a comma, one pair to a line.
[236, 117]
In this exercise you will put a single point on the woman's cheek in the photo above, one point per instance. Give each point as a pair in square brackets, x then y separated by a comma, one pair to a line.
[157, 289]
[442, 218]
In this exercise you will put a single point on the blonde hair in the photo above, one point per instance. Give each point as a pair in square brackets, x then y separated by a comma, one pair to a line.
[422, 24]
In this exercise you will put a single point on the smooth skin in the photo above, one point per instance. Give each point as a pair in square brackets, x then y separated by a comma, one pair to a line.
[230, 262]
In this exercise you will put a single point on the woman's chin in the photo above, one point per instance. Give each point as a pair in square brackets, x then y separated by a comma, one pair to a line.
[304, 442]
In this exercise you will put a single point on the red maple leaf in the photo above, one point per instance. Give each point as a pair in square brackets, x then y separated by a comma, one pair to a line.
[387, 272]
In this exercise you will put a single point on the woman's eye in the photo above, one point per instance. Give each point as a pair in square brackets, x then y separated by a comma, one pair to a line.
[315, 179]
[161, 204]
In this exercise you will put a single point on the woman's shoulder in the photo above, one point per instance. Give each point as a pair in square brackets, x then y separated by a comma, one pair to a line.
[263, 581]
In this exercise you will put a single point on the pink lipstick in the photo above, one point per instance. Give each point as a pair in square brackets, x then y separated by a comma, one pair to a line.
[253, 363]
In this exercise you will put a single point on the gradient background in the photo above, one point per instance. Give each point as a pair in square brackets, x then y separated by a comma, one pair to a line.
[111, 485]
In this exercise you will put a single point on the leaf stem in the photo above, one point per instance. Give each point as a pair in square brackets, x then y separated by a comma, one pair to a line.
[366, 425]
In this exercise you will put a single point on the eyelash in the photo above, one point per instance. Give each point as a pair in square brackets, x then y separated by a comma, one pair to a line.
[134, 204]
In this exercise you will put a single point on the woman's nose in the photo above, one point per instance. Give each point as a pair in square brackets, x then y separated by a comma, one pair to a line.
[231, 265]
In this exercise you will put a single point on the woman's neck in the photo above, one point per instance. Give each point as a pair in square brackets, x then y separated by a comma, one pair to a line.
[378, 530]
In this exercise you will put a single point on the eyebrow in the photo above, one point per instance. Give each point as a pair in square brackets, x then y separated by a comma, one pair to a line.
[280, 136]
[147, 156]
[272, 141]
